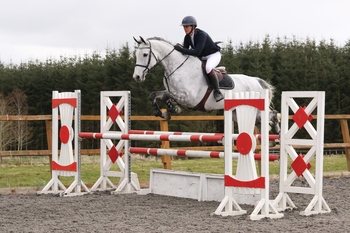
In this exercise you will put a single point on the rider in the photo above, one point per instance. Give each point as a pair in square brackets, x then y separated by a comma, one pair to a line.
[203, 47]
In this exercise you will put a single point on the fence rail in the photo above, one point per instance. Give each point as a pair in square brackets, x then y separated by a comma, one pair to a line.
[343, 120]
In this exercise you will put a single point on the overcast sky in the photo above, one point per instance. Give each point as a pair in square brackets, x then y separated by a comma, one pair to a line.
[40, 29]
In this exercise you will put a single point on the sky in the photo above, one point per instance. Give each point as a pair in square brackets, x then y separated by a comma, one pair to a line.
[32, 30]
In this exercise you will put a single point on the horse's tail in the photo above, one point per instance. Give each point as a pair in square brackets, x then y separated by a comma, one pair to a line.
[265, 85]
[275, 117]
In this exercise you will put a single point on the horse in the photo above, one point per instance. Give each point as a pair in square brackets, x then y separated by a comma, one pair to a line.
[185, 82]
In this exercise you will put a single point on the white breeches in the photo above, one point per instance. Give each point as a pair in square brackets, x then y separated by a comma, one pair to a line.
[212, 61]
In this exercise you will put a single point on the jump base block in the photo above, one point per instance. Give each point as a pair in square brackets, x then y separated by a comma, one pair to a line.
[199, 186]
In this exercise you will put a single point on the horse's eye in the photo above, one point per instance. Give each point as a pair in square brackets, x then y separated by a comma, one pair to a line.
[145, 54]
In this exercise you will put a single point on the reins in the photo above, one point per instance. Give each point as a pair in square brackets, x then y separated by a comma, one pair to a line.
[159, 61]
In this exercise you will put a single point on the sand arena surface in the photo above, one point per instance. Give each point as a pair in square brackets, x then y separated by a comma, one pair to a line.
[103, 212]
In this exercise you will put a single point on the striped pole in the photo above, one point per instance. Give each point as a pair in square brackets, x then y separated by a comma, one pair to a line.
[160, 137]
[191, 153]
[181, 153]
[150, 132]
[272, 137]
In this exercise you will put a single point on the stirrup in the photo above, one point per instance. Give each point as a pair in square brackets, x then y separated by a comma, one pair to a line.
[218, 96]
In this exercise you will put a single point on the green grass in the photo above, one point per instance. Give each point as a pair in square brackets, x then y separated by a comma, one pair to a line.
[30, 172]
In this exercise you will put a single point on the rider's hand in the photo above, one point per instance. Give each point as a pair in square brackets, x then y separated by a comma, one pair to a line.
[179, 48]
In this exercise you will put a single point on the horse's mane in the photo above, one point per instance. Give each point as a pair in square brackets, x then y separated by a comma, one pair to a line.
[161, 39]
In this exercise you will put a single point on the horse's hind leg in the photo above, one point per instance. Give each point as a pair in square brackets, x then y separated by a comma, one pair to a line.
[275, 119]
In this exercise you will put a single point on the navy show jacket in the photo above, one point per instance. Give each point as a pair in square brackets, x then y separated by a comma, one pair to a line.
[203, 44]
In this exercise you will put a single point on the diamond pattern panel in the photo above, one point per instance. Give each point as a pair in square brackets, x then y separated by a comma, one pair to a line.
[113, 112]
[114, 154]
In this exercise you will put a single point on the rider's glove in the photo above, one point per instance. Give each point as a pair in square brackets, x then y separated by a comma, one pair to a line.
[179, 48]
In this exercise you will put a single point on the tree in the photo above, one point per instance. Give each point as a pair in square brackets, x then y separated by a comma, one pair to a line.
[21, 129]
[6, 137]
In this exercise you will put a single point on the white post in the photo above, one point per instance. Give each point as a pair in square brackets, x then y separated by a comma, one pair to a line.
[115, 114]
[246, 106]
[67, 105]
[300, 164]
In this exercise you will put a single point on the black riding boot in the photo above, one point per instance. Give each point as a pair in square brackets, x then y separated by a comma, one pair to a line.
[215, 84]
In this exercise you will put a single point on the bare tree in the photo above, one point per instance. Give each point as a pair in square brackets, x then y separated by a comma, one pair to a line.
[6, 127]
[21, 131]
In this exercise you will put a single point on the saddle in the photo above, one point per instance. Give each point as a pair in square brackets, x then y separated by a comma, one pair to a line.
[225, 81]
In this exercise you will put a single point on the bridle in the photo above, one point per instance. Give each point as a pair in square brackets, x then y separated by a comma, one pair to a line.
[149, 58]
[148, 69]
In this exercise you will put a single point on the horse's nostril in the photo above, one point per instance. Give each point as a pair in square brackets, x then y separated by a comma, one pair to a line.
[137, 78]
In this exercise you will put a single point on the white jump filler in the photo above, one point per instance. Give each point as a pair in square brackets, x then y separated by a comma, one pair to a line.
[246, 181]
[300, 166]
[67, 163]
[113, 114]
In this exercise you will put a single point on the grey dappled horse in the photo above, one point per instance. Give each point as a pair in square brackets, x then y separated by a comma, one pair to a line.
[185, 82]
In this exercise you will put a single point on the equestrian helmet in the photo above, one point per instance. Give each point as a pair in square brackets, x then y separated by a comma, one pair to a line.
[189, 21]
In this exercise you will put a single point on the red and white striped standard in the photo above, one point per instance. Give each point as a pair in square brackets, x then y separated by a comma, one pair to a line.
[191, 153]
[154, 137]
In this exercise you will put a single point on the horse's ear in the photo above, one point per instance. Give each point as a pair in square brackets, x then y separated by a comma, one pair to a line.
[143, 40]
[139, 42]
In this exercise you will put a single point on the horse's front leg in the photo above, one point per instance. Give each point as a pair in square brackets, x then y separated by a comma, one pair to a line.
[157, 112]
[170, 100]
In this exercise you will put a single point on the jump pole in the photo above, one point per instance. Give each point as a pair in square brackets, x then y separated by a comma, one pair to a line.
[246, 105]
[160, 137]
[301, 119]
[68, 162]
[272, 137]
[191, 153]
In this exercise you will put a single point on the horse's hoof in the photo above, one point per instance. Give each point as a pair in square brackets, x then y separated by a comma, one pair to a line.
[272, 144]
[178, 110]
[166, 116]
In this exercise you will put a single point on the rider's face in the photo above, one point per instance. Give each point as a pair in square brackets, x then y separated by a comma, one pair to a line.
[188, 29]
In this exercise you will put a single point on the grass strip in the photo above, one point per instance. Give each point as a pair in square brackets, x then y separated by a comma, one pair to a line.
[36, 172]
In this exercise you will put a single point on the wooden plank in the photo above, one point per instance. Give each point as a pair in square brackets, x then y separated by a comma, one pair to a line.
[166, 159]
[42, 118]
[330, 117]
[346, 139]
[43, 152]
[25, 153]
[337, 117]
[24, 117]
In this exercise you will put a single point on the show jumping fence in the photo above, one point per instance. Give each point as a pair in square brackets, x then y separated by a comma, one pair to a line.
[164, 126]
[66, 108]
[245, 181]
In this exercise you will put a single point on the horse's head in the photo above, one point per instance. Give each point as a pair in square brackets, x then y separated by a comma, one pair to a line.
[145, 59]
